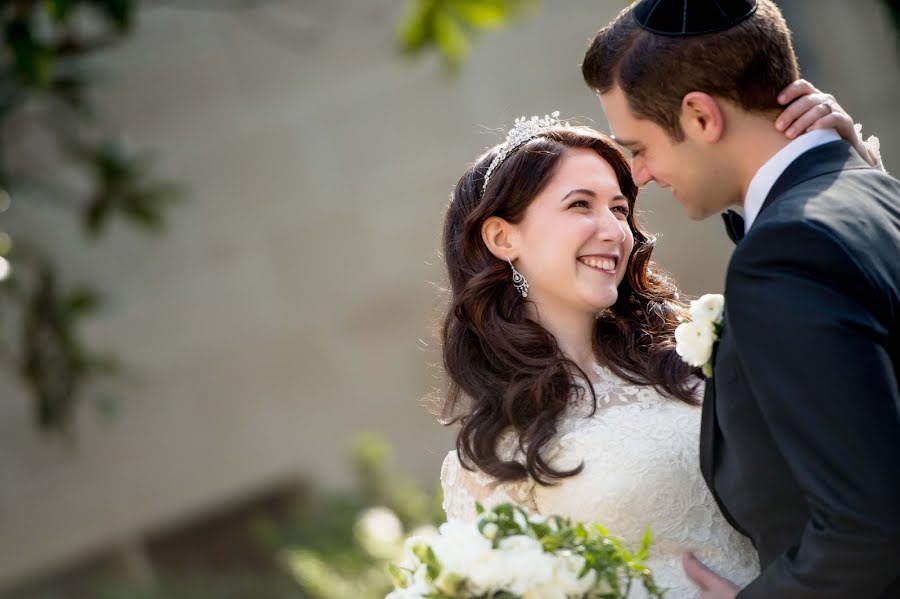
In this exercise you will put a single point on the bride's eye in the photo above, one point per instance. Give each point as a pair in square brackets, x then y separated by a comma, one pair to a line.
[622, 209]
[580, 204]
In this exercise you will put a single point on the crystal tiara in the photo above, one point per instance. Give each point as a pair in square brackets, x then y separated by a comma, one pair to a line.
[523, 131]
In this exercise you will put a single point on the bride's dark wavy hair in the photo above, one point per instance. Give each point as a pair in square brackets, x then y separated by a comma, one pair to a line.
[509, 367]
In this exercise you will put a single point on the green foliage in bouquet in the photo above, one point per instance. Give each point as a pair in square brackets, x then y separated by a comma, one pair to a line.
[604, 553]
[581, 560]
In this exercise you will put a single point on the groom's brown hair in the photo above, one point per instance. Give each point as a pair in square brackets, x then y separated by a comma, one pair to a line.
[748, 65]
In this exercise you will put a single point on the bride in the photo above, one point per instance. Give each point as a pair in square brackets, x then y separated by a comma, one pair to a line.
[560, 350]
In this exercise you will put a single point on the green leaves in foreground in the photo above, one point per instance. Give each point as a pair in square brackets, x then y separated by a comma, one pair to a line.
[450, 25]
[49, 50]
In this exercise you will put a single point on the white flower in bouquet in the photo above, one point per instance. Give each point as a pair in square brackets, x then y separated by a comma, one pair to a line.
[461, 548]
[526, 564]
[380, 532]
[509, 553]
[560, 578]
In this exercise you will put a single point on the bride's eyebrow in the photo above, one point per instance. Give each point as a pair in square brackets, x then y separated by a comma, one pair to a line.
[574, 191]
[616, 198]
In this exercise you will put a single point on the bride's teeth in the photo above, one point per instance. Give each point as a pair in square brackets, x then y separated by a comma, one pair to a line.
[601, 263]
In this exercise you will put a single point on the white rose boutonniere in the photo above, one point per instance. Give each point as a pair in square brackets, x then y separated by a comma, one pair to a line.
[695, 338]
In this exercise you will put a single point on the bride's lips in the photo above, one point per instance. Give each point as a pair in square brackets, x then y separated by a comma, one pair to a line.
[606, 263]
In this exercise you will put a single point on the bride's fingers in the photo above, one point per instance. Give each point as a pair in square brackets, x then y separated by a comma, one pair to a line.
[810, 116]
[835, 120]
[800, 87]
[699, 574]
[798, 108]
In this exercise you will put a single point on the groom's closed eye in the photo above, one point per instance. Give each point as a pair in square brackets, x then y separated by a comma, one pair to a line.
[625, 144]
[633, 148]
[633, 151]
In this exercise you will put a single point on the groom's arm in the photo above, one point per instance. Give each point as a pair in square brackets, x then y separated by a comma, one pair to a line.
[809, 327]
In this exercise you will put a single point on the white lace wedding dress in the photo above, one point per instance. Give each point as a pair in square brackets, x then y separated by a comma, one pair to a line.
[641, 468]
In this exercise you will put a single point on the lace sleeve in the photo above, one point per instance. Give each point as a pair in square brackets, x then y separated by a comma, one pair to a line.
[462, 488]
[873, 144]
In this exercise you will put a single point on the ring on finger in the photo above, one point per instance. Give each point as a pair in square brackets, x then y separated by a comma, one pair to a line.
[829, 104]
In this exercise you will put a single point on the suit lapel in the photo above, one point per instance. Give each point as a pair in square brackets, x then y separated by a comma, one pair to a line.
[710, 436]
[708, 424]
[708, 433]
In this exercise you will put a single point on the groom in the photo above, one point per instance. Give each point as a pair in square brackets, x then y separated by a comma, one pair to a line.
[800, 442]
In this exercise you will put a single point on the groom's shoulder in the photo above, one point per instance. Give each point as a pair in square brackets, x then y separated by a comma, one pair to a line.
[859, 205]
[845, 222]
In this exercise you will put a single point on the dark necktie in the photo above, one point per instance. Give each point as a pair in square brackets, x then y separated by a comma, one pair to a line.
[734, 225]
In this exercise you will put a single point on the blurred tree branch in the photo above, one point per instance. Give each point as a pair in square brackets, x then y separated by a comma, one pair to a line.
[450, 26]
[45, 91]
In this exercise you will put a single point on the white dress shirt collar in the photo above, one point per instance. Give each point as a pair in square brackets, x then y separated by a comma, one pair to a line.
[768, 174]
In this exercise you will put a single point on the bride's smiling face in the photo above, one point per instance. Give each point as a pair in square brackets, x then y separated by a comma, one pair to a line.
[574, 242]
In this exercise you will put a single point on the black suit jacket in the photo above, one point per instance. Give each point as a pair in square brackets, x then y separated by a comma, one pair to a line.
[800, 441]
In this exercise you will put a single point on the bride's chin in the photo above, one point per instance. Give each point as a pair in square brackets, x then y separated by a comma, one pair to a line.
[599, 302]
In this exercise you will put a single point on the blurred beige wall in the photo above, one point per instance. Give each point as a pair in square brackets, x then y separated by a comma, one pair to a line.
[291, 302]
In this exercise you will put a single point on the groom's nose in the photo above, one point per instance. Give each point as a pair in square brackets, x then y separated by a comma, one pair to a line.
[640, 172]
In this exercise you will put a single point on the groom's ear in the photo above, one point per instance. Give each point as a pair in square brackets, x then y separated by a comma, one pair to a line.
[500, 237]
[702, 118]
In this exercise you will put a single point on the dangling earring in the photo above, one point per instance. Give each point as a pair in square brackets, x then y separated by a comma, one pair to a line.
[519, 280]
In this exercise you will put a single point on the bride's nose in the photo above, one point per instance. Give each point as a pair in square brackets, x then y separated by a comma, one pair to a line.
[610, 228]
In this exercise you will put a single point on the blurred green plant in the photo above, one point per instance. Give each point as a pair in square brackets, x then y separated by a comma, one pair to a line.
[52, 148]
[218, 585]
[307, 544]
[450, 26]
[340, 546]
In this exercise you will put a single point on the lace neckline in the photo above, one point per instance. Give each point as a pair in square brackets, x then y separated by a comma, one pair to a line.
[606, 381]
[609, 389]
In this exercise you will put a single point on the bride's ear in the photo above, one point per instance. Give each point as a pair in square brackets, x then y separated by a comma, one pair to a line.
[500, 237]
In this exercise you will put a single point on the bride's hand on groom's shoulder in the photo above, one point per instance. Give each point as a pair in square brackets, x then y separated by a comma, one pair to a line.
[711, 585]
[807, 108]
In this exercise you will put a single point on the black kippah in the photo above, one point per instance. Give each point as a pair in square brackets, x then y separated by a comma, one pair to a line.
[683, 18]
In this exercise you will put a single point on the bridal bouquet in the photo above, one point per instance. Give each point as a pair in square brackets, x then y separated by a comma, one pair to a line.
[508, 554]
